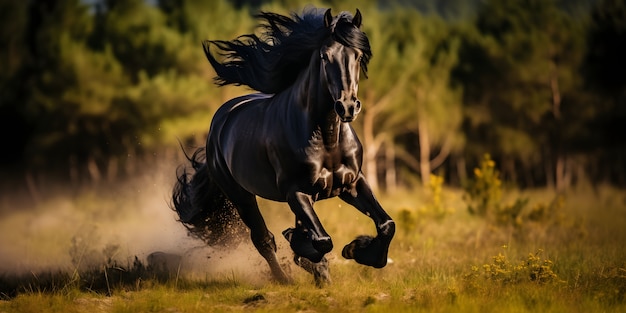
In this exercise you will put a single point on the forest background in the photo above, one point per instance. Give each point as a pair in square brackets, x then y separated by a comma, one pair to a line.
[101, 90]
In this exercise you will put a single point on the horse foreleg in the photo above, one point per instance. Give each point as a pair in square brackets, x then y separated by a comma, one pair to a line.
[308, 239]
[302, 245]
[369, 250]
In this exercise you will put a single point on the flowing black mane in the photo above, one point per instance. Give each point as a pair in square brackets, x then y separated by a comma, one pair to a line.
[271, 62]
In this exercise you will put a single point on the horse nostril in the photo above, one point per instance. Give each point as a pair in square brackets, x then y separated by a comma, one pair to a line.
[339, 109]
[358, 105]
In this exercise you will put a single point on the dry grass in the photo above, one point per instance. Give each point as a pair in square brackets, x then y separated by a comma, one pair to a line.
[77, 253]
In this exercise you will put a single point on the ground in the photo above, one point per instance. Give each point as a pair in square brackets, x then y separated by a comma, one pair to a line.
[88, 251]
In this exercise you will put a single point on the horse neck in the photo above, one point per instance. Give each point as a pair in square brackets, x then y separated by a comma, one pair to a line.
[312, 94]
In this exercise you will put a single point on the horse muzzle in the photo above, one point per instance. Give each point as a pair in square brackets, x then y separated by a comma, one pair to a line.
[347, 110]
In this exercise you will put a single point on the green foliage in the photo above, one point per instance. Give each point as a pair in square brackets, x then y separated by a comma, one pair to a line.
[483, 196]
[530, 81]
[506, 272]
[542, 212]
[435, 209]
[407, 221]
[510, 214]
[526, 95]
[484, 192]
[116, 82]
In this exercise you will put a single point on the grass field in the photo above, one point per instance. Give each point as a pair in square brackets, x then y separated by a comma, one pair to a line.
[76, 253]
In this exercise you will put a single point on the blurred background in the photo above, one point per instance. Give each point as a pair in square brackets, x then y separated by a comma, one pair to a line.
[100, 91]
[487, 125]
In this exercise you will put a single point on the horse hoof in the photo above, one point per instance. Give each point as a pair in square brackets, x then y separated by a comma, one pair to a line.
[359, 243]
[281, 277]
[284, 280]
[366, 250]
[320, 270]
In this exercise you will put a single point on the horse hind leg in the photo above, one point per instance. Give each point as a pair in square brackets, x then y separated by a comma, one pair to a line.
[262, 238]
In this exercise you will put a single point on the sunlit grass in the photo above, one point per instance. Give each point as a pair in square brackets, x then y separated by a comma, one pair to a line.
[455, 263]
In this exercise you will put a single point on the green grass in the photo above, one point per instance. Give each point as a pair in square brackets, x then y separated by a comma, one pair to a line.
[455, 263]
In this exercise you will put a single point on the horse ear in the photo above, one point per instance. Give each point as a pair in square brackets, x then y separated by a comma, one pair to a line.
[356, 21]
[328, 18]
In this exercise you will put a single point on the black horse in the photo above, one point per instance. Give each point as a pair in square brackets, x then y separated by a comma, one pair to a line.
[292, 142]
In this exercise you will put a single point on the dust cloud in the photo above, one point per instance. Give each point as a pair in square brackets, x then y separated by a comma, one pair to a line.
[78, 230]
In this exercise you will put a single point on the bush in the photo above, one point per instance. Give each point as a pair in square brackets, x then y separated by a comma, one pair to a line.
[484, 192]
[483, 196]
[434, 209]
[532, 269]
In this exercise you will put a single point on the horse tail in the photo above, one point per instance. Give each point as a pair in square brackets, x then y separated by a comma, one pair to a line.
[202, 207]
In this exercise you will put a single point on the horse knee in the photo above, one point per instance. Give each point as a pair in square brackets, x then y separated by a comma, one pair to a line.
[387, 229]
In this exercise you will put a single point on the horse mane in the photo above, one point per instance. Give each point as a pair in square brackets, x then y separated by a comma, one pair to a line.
[271, 62]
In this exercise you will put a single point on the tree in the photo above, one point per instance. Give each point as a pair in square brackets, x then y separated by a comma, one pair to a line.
[411, 93]
[14, 58]
[112, 85]
[604, 76]
[435, 114]
[517, 71]
[381, 92]
[55, 38]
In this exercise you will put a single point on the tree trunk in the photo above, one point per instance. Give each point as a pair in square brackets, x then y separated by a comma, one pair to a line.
[529, 176]
[561, 159]
[424, 144]
[556, 92]
[558, 175]
[509, 164]
[390, 167]
[549, 170]
[563, 174]
[131, 157]
[74, 172]
[31, 185]
[371, 150]
[94, 171]
[112, 169]
[461, 170]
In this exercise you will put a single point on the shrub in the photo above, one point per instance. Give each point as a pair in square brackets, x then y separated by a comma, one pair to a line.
[435, 208]
[532, 269]
[484, 192]
[409, 219]
[483, 196]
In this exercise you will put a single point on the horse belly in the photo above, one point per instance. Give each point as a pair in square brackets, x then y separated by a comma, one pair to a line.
[257, 178]
[248, 164]
[235, 134]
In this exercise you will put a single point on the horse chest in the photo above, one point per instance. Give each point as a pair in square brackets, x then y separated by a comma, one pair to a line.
[334, 174]
[332, 182]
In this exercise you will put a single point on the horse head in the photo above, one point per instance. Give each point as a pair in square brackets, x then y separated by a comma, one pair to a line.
[343, 56]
